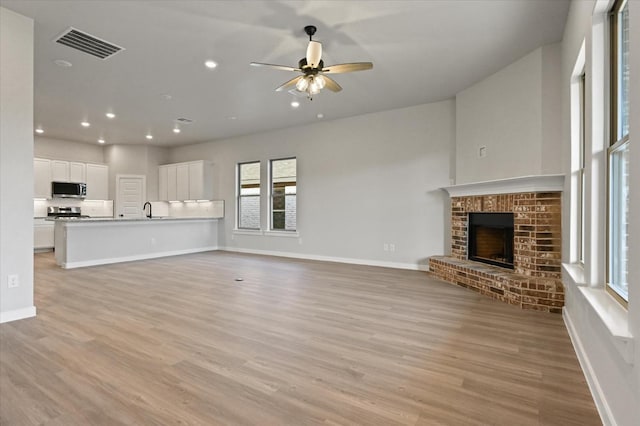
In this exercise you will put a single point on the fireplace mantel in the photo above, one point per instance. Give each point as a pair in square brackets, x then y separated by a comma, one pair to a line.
[539, 183]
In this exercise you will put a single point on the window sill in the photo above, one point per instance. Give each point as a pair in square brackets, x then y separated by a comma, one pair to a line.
[612, 314]
[576, 272]
[289, 234]
[253, 232]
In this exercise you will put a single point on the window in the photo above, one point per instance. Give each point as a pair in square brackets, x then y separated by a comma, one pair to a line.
[618, 155]
[283, 194]
[581, 166]
[249, 195]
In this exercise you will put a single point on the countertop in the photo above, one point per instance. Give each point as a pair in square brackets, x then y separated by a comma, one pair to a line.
[119, 219]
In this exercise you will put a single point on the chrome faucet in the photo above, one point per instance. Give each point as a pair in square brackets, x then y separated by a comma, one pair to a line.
[144, 208]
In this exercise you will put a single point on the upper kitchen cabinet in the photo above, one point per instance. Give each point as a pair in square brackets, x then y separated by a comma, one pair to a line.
[182, 182]
[97, 179]
[45, 171]
[192, 180]
[68, 171]
[41, 178]
[77, 172]
[167, 183]
[59, 171]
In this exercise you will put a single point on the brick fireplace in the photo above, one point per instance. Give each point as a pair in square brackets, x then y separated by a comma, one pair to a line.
[535, 280]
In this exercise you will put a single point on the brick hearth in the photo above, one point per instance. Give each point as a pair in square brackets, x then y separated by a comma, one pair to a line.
[535, 282]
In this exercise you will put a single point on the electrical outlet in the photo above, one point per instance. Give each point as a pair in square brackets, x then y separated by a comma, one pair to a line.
[392, 247]
[385, 246]
[13, 281]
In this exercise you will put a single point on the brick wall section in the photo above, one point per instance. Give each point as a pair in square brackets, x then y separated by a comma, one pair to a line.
[536, 278]
[526, 292]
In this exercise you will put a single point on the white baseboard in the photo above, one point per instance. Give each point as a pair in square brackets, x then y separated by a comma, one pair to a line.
[17, 314]
[368, 262]
[96, 262]
[592, 380]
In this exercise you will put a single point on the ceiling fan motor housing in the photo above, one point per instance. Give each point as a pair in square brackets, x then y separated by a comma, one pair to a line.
[310, 30]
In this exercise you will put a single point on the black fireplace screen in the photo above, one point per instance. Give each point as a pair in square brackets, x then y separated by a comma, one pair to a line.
[491, 238]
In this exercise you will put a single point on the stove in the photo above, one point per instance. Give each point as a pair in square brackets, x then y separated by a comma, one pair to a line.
[66, 212]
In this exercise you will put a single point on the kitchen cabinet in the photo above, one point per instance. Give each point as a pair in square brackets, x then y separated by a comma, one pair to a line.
[162, 183]
[191, 180]
[45, 171]
[59, 171]
[41, 178]
[196, 181]
[43, 234]
[182, 182]
[171, 183]
[77, 172]
[201, 180]
[97, 179]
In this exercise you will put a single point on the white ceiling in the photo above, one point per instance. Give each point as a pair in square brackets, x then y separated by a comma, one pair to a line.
[422, 51]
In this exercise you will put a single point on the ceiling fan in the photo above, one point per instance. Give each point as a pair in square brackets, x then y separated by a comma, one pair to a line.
[314, 74]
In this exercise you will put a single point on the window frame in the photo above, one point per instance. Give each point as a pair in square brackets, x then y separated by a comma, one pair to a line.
[239, 196]
[582, 190]
[270, 179]
[616, 143]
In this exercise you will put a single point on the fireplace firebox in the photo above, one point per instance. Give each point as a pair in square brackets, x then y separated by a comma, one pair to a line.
[491, 238]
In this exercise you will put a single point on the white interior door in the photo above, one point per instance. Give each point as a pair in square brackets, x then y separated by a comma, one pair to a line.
[130, 195]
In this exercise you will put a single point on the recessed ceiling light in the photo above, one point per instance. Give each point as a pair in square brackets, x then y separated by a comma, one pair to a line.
[39, 130]
[85, 124]
[320, 115]
[62, 63]
[110, 115]
[166, 97]
[149, 137]
[210, 64]
[100, 140]
[176, 129]
[295, 104]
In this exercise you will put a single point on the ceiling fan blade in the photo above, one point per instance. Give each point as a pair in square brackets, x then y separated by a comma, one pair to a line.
[314, 53]
[331, 84]
[289, 84]
[342, 68]
[277, 67]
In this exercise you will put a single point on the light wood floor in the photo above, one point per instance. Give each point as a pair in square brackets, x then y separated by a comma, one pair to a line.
[178, 341]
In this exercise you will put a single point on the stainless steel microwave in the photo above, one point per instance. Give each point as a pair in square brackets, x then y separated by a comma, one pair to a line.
[68, 190]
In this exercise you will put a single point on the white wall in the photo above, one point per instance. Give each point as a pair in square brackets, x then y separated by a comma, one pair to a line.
[362, 182]
[57, 149]
[16, 164]
[135, 160]
[551, 162]
[595, 321]
[507, 113]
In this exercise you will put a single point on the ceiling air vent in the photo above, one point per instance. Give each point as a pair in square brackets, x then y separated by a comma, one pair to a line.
[87, 43]
[183, 120]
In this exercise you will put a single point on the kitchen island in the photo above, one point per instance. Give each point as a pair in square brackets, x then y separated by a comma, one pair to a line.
[99, 241]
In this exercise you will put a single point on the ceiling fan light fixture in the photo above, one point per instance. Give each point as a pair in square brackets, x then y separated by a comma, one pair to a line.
[302, 84]
[319, 81]
[313, 89]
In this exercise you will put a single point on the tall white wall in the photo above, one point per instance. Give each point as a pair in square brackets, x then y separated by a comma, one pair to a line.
[362, 182]
[514, 113]
[16, 164]
[135, 160]
[595, 321]
[58, 149]
[551, 114]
